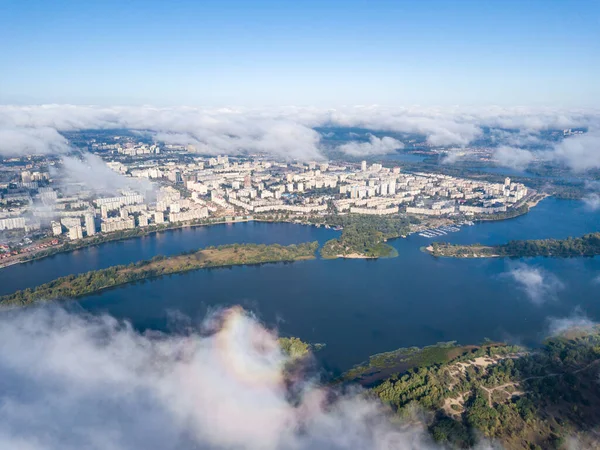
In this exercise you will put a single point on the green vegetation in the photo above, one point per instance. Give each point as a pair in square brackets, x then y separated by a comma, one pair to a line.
[508, 214]
[382, 365]
[294, 347]
[223, 256]
[364, 236]
[523, 400]
[587, 245]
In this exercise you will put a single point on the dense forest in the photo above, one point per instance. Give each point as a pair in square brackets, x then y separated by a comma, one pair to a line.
[364, 235]
[226, 255]
[524, 400]
[587, 245]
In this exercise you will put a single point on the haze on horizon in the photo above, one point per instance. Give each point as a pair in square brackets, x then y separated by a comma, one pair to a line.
[311, 53]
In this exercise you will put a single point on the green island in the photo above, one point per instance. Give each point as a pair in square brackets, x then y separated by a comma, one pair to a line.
[223, 256]
[521, 399]
[587, 245]
[294, 347]
[364, 236]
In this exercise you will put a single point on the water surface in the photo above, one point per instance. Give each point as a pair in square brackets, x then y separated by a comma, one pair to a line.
[361, 307]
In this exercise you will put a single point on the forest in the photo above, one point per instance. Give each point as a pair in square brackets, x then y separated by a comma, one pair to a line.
[73, 286]
[522, 399]
[364, 235]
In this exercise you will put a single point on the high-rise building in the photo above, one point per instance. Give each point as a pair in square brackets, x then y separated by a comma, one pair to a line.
[143, 220]
[12, 223]
[75, 232]
[392, 187]
[90, 225]
[363, 166]
[56, 228]
[247, 182]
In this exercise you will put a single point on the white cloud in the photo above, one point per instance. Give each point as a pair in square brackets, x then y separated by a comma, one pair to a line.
[453, 156]
[576, 321]
[516, 158]
[92, 172]
[72, 382]
[27, 141]
[374, 146]
[592, 201]
[539, 286]
[580, 152]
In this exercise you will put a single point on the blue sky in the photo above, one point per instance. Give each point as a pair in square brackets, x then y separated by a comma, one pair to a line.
[321, 53]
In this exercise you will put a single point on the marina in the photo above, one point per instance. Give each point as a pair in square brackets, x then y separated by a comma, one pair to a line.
[441, 231]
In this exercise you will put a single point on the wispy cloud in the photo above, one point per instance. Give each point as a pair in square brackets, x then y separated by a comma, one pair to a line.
[516, 158]
[576, 321]
[374, 146]
[539, 285]
[592, 201]
[92, 172]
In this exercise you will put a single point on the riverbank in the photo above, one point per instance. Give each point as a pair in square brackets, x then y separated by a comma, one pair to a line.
[391, 227]
[74, 286]
[519, 398]
[100, 239]
[519, 209]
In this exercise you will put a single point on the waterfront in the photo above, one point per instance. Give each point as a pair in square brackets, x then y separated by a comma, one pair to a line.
[355, 307]
[170, 242]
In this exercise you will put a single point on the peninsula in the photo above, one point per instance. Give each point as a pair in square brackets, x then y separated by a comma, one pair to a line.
[73, 286]
[364, 236]
[587, 245]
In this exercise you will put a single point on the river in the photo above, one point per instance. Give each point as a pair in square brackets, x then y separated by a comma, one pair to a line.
[355, 307]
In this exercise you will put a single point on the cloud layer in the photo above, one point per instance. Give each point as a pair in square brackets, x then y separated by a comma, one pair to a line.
[72, 382]
[288, 132]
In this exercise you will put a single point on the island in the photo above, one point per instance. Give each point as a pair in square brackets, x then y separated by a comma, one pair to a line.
[587, 245]
[74, 286]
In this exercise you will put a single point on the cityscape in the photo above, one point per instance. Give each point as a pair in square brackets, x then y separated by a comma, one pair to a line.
[204, 190]
[310, 225]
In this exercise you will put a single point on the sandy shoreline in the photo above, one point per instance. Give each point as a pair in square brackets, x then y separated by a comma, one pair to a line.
[355, 256]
